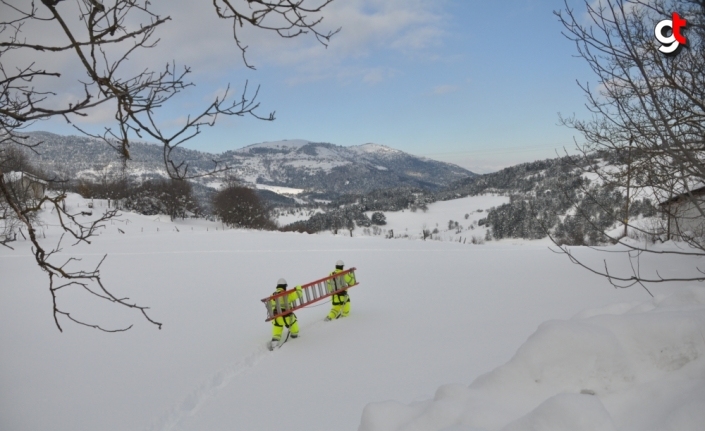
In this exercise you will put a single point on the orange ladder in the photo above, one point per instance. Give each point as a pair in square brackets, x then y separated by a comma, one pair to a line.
[278, 305]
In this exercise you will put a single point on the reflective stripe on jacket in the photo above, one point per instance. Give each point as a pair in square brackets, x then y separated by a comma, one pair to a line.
[340, 282]
[288, 303]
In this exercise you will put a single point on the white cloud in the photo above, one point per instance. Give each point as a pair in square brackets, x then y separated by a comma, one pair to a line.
[367, 27]
[444, 89]
[629, 8]
[374, 76]
[367, 75]
[197, 38]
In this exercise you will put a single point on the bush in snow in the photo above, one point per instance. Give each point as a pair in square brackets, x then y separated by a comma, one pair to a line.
[162, 196]
[379, 218]
[240, 207]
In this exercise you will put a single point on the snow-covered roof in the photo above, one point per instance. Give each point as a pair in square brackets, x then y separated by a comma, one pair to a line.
[14, 176]
[699, 190]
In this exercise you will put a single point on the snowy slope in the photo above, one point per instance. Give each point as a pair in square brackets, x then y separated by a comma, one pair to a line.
[431, 325]
[467, 212]
[328, 167]
[296, 163]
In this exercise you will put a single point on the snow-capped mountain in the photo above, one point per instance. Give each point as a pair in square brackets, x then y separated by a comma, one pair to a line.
[319, 167]
[328, 167]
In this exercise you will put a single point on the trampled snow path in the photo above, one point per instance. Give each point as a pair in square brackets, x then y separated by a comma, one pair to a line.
[209, 389]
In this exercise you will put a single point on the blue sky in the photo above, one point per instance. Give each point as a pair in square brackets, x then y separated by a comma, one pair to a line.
[475, 83]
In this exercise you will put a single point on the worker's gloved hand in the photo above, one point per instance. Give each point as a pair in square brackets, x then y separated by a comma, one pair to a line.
[327, 319]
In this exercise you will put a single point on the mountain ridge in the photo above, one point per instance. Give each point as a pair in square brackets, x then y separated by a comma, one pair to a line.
[313, 166]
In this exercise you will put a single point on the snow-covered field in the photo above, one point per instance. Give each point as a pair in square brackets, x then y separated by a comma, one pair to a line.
[466, 212]
[442, 336]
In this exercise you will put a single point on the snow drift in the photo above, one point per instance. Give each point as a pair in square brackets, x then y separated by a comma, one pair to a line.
[624, 367]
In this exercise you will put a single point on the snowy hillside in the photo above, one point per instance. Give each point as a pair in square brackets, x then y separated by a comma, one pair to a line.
[466, 212]
[298, 164]
[328, 167]
[442, 336]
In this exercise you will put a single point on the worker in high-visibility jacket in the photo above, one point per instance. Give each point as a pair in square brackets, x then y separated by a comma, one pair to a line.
[341, 300]
[288, 319]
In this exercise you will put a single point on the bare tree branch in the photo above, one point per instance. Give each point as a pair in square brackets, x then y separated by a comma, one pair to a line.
[648, 111]
[102, 43]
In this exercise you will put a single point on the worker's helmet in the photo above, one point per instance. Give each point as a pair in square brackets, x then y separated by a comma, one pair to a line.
[339, 264]
[281, 282]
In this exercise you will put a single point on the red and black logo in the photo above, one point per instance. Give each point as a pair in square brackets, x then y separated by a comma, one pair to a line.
[668, 32]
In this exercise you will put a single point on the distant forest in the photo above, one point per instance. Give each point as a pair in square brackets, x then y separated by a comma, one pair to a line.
[550, 195]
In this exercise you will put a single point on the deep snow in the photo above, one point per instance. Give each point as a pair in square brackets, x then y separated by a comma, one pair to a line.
[432, 323]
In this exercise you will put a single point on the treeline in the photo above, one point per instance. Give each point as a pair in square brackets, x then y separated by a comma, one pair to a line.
[551, 196]
[539, 192]
[155, 196]
[335, 220]
[518, 179]
[554, 197]
[234, 205]
[350, 211]
[539, 185]
[394, 199]
[597, 211]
